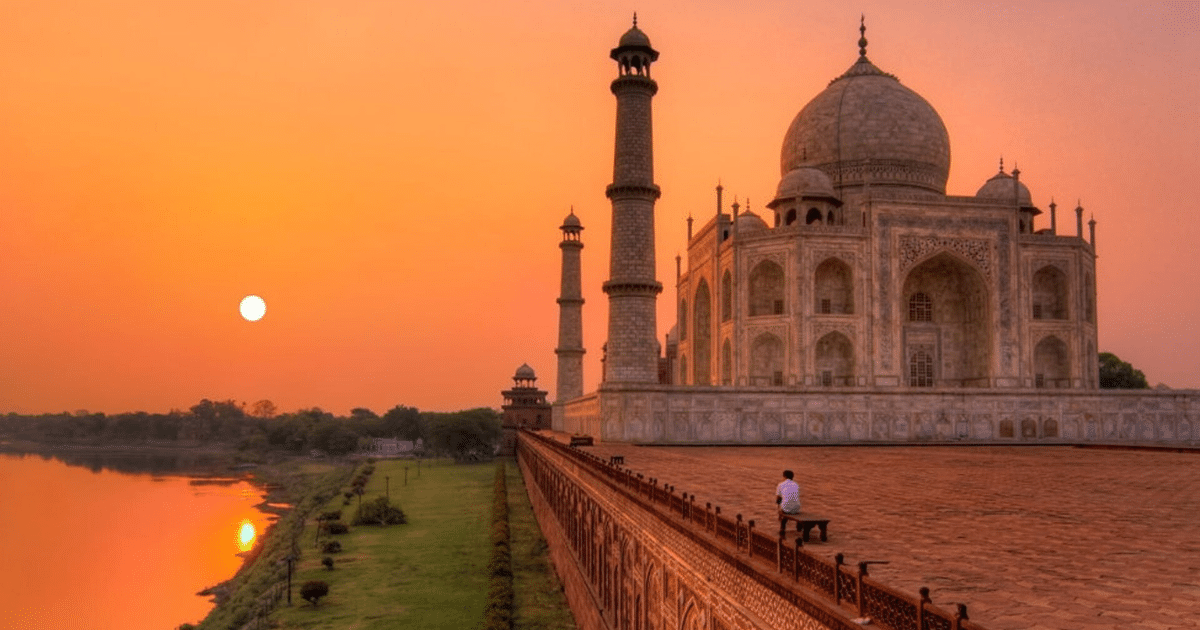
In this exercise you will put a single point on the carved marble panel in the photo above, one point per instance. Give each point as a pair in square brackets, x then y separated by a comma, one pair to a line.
[916, 248]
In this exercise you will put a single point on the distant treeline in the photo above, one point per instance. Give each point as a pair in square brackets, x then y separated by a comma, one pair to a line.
[260, 429]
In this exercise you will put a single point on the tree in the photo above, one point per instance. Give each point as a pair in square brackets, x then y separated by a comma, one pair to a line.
[464, 434]
[314, 590]
[405, 423]
[362, 413]
[264, 409]
[217, 419]
[1117, 374]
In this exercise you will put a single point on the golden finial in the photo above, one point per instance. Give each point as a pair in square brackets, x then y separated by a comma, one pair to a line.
[862, 31]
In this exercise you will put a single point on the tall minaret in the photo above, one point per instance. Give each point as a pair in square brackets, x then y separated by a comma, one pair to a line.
[632, 355]
[570, 315]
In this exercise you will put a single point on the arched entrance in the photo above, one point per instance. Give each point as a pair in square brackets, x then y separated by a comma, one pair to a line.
[946, 319]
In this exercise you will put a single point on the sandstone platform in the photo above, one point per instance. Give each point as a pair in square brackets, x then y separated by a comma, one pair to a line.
[1034, 538]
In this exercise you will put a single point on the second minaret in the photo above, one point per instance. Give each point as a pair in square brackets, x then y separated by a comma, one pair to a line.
[570, 315]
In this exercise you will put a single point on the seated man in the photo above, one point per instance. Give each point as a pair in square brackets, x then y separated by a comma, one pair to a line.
[787, 494]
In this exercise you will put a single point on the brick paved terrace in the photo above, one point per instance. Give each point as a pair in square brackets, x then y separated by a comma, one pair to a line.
[1031, 538]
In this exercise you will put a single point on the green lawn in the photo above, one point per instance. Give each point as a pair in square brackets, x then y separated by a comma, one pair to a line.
[429, 573]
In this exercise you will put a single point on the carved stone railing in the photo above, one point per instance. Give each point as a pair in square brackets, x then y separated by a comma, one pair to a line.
[768, 555]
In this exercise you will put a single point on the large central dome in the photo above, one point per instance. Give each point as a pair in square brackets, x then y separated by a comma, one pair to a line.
[868, 128]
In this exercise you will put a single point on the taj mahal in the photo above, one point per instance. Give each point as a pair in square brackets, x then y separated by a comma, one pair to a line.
[864, 303]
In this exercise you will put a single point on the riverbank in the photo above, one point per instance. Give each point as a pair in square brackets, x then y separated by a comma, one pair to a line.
[304, 485]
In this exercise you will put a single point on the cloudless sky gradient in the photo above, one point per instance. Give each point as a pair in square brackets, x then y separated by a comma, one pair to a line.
[390, 176]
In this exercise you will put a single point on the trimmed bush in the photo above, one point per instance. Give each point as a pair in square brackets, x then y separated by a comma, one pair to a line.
[314, 590]
[498, 611]
[336, 527]
[380, 512]
[335, 515]
[332, 546]
[328, 562]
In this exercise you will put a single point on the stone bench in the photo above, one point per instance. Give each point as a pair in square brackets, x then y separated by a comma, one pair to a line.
[804, 524]
[581, 440]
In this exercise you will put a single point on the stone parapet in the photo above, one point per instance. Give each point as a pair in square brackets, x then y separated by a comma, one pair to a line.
[634, 554]
[779, 415]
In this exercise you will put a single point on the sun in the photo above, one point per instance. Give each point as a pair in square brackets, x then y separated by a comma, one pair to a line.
[252, 308]
[246, 534]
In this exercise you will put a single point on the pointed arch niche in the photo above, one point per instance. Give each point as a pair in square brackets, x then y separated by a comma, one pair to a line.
[834, 360]
[726, 363]
[726, 296]
[834, 288]
[766, 289]
[766, 361]
[955, 335]
[1049, 293]
[1051, 365]
[702, 335]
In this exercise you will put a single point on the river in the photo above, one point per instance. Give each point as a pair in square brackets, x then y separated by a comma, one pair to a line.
[98, 547]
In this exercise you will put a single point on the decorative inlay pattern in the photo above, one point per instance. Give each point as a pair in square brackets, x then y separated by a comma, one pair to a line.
[775, 257]
[824, 328]
[914, 248]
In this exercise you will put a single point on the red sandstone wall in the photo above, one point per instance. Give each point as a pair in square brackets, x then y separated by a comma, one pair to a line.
[579, 594]
[624, 567]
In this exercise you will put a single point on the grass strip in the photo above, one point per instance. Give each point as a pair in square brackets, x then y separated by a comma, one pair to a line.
[428, 573]
[539, 603]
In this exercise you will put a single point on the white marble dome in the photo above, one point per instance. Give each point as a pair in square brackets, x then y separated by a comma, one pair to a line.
[868, 128]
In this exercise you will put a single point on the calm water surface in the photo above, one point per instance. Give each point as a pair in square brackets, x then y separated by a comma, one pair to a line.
[100, 549]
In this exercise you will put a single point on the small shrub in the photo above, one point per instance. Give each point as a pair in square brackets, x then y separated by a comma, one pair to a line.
[380, 512]
[336, 527]
[349, 495]
[332, 546]
[499, 566]
[328, 562]
[314, 590]
[346, 502]
[335, 515]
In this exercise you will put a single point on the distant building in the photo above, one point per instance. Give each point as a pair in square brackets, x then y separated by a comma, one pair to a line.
[392, 447]
[525, 407]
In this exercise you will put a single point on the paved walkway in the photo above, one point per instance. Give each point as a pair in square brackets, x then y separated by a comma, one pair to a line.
[1034, 538]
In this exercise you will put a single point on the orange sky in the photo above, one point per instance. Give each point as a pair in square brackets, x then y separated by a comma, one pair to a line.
[390, 176]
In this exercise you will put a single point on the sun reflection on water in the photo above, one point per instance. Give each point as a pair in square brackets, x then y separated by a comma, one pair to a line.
[246, 535]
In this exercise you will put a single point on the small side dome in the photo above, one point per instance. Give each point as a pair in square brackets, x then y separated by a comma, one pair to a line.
[525, 372]
[1000, 187]
[750, 222]
[804, 183]
[572, 221]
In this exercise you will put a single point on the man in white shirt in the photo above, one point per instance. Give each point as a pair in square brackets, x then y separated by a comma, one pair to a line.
[787, 494]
